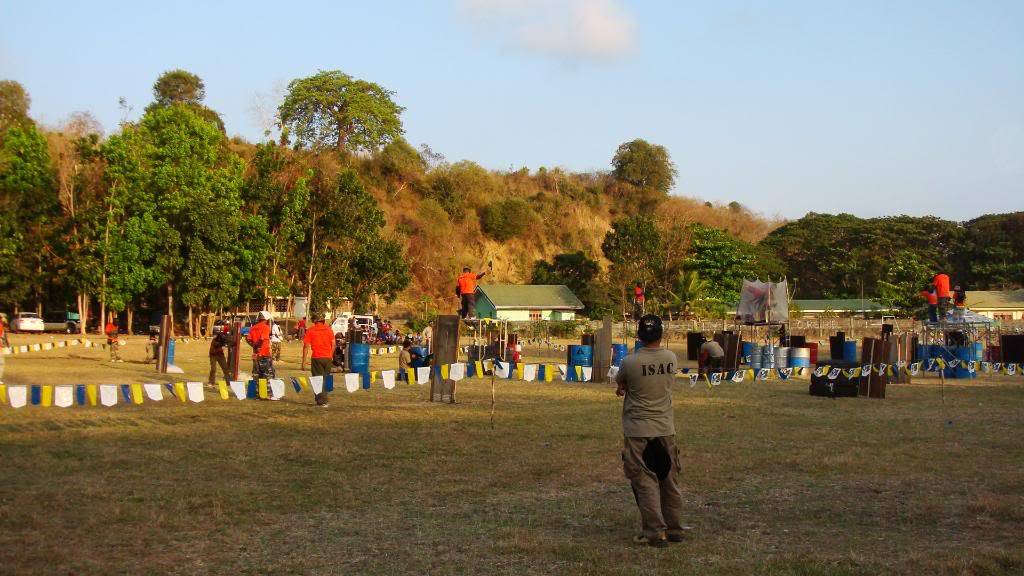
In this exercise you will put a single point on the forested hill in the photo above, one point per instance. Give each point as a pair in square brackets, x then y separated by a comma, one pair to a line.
[169, 210]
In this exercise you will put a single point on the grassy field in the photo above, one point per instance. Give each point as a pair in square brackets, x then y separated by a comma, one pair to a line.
[928, 481]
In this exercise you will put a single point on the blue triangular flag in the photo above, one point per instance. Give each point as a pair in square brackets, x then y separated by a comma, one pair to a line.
[127, 393]
[80, 394]
[36, 395]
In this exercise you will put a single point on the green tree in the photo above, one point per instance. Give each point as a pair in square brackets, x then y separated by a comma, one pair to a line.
[274, 191]
[635, 248]
[332, 109]
[901, 283]
[401, 164]
[176, 191]
[29, 207]
[723, 262]
[992, 256]
[379, 267]
[644, 165]
[178, 87]
[181, 87]
[581, 274]
[507, 219]
[14, 104]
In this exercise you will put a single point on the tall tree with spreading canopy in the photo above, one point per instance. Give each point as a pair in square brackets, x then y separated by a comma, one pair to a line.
[644, 165]
[184, 88]
[334, 110]
[14, 104]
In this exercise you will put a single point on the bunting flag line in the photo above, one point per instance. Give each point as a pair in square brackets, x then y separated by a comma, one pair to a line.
[65, 395]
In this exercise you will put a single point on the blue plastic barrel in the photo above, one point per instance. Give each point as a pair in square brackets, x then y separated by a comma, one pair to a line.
[850, 351]
[619, 352]
[579, 355]
[745, 350]
[359, 361]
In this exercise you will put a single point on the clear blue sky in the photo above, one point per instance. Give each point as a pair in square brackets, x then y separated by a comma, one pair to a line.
[869, 107]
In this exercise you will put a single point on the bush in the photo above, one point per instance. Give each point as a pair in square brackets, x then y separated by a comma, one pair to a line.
[506, 219]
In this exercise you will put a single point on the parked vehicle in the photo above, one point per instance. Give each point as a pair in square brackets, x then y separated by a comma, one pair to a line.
[67, 322]
[363, 323]
[27, 322]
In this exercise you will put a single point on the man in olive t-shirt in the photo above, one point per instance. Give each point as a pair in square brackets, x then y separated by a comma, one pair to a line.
[650, 458]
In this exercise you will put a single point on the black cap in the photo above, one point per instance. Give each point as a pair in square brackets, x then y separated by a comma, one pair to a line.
[649, 329]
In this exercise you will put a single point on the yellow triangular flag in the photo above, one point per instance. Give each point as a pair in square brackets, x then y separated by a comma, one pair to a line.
[47, 395]
[941, 363]
[261, 388]
[90, 393]
[136, 390]
[444, 371]
[410, 375]
[549, 372]
[373, 378]
[579, 373]
[179, 390]
[222, 387]
[519, 371]
[3, 394]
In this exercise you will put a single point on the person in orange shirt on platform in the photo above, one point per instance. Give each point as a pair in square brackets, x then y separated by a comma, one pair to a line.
[319, 340]
[466, 289]
[929, 294]
[941, 282]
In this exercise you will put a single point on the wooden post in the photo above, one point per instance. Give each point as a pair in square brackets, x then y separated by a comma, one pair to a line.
[602, 358]
[446, 350]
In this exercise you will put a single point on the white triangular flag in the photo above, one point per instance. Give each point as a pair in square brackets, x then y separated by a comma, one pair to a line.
[457, 371]
[588, 371]
[17, 396]
[563, 370]
[352, 381]
[108, 394]
[63, 396]
[276, 388]
[388, 376]
[530, 372]
[317, 384]
[423, 374]
[501, 369]
[238, 389]
[195, 391]
[154, 391]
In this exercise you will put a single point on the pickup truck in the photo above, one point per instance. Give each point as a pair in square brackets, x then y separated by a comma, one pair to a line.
[67, 322]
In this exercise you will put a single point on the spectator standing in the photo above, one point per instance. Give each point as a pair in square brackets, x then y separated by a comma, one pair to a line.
[319, 342]
[650, 458]
[259, 339]
[428, 338]
[276, 338]
[113, 340]
[218, 343]
[300, 329]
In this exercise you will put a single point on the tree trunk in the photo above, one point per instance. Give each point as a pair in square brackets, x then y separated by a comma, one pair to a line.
[103, 305]
[170, 307]
[83, 311]
[130, 312]
[191, 324]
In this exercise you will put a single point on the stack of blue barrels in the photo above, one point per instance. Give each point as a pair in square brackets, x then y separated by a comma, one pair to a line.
[850, 351]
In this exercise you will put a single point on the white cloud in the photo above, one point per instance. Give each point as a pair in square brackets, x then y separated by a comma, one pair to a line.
[563, 29]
